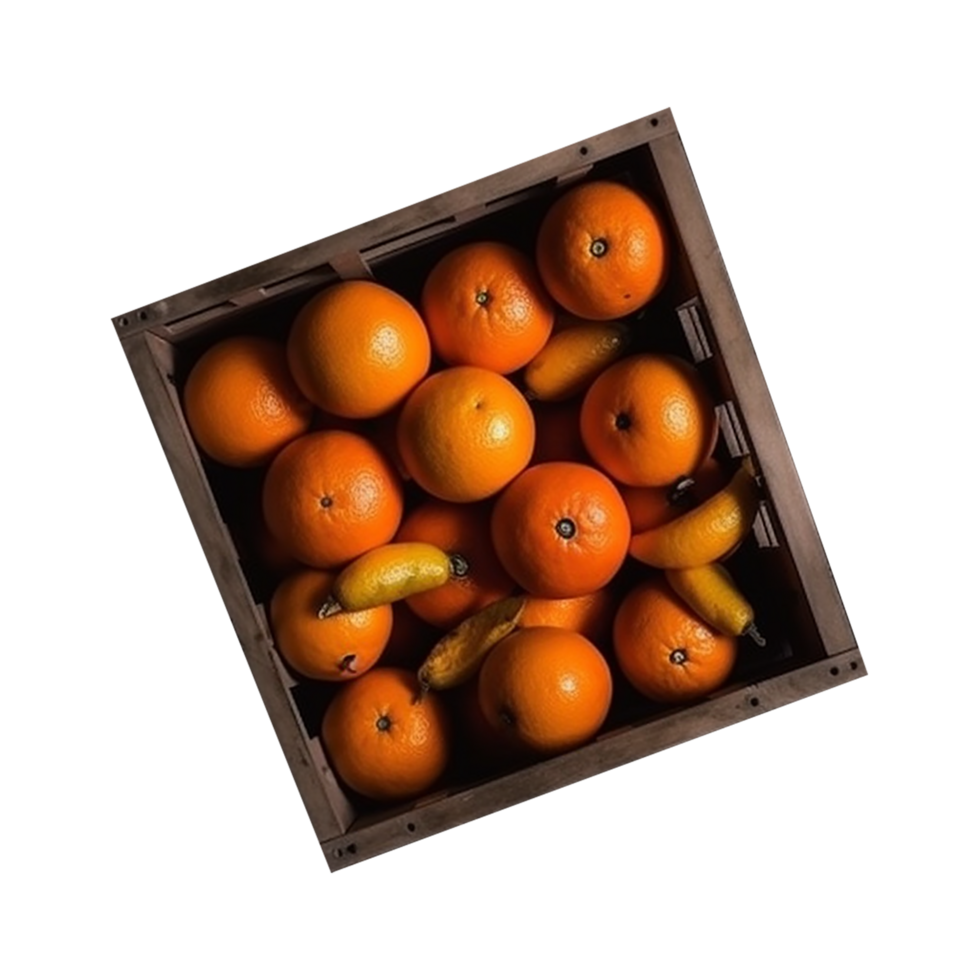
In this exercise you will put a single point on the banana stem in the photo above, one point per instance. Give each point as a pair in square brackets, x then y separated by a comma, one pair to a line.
[752, 631]
[330, 608]
[459, 567]
[680, 490]
[423, 690]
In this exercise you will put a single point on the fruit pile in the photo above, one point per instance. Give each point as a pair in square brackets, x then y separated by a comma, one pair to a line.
[506, 467]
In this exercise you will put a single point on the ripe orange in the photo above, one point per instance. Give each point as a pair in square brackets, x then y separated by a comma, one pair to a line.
[653, 506]
[382, 742]
[485, 305]
[462, 530]
[648, 420]
[338, 648]
[667, 652]
[557, 435]
[591, 615]
[465, 433]
[241, 403]
[546, 688]
[602, 251]
[330, 496]
[561, 530]
[356, 349]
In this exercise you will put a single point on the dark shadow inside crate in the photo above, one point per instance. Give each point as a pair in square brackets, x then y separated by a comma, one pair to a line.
[766, 574]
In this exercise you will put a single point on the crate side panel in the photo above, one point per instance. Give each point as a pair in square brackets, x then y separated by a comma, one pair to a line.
[752, 394]
[329, 812]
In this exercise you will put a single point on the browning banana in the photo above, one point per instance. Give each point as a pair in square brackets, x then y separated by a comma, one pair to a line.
[458, 655]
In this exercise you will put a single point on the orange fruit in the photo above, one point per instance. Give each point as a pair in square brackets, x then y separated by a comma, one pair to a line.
[465, 433]
[561, 530]
[357, 348]
[648, 420]
[654, 506]
[591, 615]
[241, 403]
[381, 741]
[338, 648]
[461, 530]
[557, 435]
[665, 651]
[485, 305]
[546, 688]
[330, 496]
[602, 251]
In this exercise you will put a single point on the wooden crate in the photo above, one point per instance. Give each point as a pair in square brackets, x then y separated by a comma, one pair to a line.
[811, 646]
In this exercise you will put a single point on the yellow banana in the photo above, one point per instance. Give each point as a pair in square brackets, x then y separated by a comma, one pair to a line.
[705, 534]
[458, 655]
[712, 593]
[573, 358]
[389, 573]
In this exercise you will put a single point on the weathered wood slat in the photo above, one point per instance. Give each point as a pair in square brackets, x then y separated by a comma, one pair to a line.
[789, 505]
[606, 753]
[329, 811]
[351, 265]
[402, 222]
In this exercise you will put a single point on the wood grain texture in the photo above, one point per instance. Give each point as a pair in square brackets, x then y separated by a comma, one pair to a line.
[151, 360]
[405, 222]
[616, 749]
[790, 509]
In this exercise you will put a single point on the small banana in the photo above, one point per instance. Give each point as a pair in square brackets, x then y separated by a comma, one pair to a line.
[458, 655]
[712, 593]
[705, 534]
[573, 358]
[389, 573]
